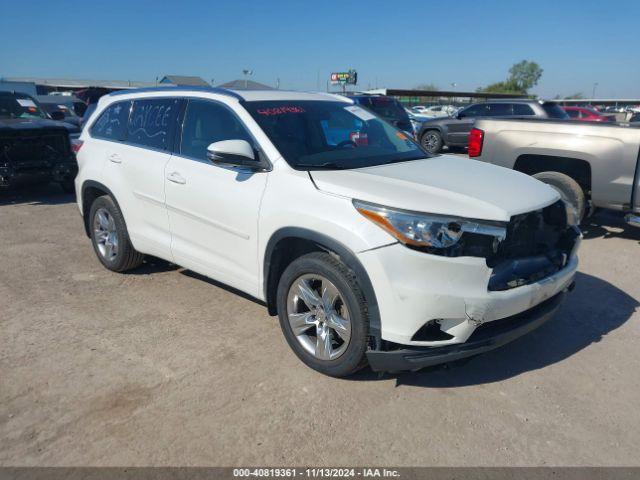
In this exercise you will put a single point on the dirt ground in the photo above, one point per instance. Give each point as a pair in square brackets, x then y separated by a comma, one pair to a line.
[164, 367]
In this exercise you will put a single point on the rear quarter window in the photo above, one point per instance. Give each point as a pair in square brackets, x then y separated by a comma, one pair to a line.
[553, 110]
[152, 123]
[111, 123]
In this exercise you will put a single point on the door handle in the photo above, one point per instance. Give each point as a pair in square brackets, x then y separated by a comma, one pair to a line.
[115, 158]
[175, 177]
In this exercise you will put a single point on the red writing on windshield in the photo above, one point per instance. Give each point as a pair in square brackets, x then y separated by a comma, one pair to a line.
[280, 110]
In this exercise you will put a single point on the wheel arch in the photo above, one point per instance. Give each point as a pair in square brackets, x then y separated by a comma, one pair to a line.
[576, 168]
[91, 190]
[425, 128]
[289, 243]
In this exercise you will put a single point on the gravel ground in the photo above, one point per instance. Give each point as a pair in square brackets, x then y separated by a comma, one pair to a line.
[164, 367]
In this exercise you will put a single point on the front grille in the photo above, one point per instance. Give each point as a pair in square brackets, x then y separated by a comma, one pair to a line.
[538, 244]
[25, 151]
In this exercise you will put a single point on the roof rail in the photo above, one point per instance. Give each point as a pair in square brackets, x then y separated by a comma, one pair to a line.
[220, 91]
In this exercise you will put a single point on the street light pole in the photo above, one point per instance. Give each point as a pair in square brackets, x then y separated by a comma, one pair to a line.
[593, 94]
[247, 72]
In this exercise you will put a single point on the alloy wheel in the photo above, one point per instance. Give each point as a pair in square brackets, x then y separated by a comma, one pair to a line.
[430, 142]
[318, 316]
[106, 234]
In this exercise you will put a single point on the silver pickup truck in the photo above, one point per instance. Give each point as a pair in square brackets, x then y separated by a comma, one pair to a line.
[591, 165]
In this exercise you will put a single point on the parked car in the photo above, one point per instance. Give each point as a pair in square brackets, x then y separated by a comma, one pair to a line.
[439, 111]
[591, 165]
[635, 117]
[58, 103]
[367, 248]
[32, 145]
[388, 108]
[454, 131]
[588, 114]
[419, 109]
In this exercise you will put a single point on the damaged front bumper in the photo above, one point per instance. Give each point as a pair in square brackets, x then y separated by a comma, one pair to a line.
[488, 337]
[431, 307]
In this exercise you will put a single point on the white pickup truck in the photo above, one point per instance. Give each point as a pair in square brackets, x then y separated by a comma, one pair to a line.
[591, 165]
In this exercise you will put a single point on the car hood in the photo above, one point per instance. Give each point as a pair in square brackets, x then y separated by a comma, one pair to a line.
[444, 184]
[35, 123]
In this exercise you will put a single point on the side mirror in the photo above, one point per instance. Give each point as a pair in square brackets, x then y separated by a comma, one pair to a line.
[234, 153]
[57, 115]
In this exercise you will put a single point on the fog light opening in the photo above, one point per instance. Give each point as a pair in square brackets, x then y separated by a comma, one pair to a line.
[431, 332]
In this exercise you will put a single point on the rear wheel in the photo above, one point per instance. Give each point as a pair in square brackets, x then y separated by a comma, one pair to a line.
[110, 238]
[323, 314]
[567, 187]
[431, 141]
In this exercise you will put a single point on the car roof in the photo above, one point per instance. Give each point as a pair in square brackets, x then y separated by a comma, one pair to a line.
[243, 95]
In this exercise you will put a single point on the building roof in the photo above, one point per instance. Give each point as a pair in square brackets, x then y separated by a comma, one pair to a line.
[245, 85]
[72, 83]
[184, 81]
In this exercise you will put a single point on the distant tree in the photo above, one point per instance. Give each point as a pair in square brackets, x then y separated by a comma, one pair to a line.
[575, 96]
[522, 76]
[501, 87]
[427, 86]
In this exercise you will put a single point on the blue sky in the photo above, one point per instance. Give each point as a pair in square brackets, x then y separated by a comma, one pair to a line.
[392, 44]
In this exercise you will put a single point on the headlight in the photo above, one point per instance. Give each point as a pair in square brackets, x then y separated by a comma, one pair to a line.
[430, 231]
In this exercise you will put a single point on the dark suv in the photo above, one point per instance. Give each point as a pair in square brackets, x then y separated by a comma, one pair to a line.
[388, 108]
[454, 131]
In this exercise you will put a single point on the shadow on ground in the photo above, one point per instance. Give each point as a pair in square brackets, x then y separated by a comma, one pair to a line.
[589, 313]
[608, 224]
[35, 194]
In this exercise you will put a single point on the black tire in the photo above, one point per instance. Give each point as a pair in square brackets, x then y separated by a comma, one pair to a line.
[68, 186]
[431, 141]
[126, 257]
[320, 263]
[568, 188]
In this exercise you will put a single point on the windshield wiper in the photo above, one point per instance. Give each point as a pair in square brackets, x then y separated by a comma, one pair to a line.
[326, 165]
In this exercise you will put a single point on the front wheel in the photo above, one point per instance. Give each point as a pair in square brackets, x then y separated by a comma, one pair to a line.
[323, 314]
[431, 141]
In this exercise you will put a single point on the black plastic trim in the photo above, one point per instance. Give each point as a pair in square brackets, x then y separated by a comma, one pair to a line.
[100, 186]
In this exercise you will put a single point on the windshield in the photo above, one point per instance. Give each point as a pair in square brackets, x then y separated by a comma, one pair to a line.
[331, 135]
[53, 107]
[19, 106]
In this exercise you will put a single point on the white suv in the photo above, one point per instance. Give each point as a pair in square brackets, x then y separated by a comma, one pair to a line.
[368, 249]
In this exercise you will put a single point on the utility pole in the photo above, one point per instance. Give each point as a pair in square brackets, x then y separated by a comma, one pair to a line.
[247, 72]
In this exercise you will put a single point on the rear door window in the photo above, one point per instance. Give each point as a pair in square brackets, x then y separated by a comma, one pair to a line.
[478, 110]
[522, 109]
[111, 123]
[152, 123]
